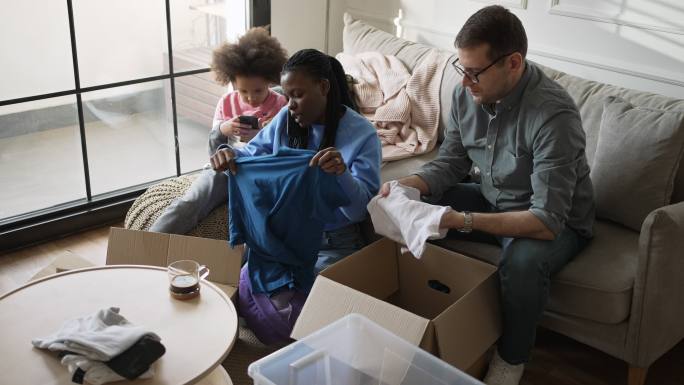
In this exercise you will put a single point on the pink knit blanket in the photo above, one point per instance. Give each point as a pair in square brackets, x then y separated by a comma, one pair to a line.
[403, 106]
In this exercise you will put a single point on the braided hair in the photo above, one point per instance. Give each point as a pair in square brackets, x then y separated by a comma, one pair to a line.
[320, 66]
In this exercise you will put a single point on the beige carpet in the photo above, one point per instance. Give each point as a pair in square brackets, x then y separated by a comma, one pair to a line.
[246, 350]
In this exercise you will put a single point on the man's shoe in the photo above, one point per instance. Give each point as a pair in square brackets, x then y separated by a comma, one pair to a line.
[502, 373]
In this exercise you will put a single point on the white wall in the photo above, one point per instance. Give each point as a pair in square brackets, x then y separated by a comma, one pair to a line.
[300, 24]
[632, 43]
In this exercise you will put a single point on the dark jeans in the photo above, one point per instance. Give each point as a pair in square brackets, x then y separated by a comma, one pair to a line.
[525, 271]
[337, 244]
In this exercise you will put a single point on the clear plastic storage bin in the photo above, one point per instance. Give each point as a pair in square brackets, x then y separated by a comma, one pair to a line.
[354, 351]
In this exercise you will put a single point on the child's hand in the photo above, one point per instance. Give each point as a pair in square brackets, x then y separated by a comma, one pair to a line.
[247, 134]
[233, 127]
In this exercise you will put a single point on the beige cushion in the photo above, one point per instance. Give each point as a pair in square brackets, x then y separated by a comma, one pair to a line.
[637, 158]
[590, 96]
[404, 167]
[358, 37]
[596, 285]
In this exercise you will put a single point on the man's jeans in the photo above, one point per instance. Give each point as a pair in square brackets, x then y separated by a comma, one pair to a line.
[525, 268]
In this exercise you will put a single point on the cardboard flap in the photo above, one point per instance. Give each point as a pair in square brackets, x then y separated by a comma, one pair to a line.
[329, 301]
[428, 286]
[460, 340]
[133, 247]
[372, 270]
[441, 259]
[223, 262]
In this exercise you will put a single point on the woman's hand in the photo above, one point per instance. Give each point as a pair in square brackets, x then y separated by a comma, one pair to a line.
[329, 160]
[224, 159]
[243, 131]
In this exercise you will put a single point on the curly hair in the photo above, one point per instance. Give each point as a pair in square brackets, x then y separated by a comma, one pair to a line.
[256, 53]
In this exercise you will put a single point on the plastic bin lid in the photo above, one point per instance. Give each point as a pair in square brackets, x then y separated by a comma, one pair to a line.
[354, 351]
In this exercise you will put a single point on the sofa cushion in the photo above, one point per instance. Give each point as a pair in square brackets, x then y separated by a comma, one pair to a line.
[590, 96]
[404, 167]
[358, 37]
[596, 285]
[637, 157]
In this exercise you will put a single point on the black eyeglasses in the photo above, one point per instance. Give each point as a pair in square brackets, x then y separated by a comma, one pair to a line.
[473, 76]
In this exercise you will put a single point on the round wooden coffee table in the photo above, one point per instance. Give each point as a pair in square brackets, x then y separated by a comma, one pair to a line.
[198, 334]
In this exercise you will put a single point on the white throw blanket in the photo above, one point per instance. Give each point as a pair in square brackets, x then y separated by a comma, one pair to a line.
[404, 107]
[405, 219]
[93, 340]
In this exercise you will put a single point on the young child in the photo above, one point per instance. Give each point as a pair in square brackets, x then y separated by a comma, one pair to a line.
[251, 65]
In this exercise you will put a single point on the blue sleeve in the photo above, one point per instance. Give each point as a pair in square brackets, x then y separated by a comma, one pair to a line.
[361, 181]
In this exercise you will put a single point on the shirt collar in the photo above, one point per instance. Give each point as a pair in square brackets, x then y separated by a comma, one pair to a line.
[515, 96]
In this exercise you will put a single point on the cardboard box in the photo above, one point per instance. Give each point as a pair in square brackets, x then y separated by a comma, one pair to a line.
[445, 302]
[65, 261]
[134, 247]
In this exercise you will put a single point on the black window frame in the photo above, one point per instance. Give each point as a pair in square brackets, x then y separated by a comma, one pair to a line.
[72, 217]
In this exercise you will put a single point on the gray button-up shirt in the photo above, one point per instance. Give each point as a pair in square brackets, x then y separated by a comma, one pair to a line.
[530, 149]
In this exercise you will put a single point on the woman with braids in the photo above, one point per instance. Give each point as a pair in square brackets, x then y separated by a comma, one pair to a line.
[342, 146]
[251, 65]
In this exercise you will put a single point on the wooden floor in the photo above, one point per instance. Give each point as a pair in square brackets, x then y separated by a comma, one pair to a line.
[557, 359]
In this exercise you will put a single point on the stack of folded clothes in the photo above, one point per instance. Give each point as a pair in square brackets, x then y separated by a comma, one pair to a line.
[104, 347]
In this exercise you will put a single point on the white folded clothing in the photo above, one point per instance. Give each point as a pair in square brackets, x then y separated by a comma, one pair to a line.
[405, 219]
[96, 372]
[100, 336]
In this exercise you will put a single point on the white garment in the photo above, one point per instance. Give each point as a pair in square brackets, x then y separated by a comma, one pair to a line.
[100, 336]
[404, 218]
[96, 372]
[95, 339]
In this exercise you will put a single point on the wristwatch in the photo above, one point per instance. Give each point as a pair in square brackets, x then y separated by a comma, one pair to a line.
[467, 222]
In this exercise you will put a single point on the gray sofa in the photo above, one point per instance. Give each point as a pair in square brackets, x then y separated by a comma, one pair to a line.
[624, 294]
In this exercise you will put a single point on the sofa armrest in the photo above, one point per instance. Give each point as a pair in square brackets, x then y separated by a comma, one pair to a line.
[658, 302]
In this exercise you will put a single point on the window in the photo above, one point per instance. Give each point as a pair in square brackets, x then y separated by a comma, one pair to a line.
[101, 98]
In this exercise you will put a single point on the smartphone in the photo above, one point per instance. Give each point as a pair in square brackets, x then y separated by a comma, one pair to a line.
[253, 121]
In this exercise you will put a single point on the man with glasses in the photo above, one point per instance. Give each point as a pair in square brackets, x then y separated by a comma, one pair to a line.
[523, 133]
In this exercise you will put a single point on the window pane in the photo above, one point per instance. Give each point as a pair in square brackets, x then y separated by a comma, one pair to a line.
[196, 29]
[129, 136]
[196, 99]
[35, 48]
[40, 150]
[119, 40]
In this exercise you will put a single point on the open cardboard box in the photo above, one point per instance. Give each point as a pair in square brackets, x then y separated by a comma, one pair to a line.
[65, 261]
[445, 302]
[134, 247]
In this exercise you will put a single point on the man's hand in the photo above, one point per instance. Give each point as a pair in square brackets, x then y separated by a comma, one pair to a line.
[224, 159]
[411, 181]
[329, 160]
